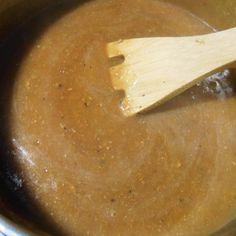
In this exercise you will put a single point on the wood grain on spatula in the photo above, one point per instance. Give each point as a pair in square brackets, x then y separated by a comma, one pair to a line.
[157, 69]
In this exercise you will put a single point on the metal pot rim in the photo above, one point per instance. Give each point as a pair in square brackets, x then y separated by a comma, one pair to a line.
[8, 227]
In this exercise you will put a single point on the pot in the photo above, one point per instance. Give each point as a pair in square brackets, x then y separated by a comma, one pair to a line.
[18, 220]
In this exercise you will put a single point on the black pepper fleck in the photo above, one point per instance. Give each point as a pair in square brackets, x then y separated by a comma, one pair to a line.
[59, 85]
[181, 200]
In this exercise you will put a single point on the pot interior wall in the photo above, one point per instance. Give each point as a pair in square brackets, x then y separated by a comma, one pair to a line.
[14, 13]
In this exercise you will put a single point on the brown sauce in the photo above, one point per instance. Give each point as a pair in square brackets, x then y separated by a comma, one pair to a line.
[93, 171]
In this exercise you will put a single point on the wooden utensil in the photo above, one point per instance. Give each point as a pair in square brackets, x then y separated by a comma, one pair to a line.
[157, 69]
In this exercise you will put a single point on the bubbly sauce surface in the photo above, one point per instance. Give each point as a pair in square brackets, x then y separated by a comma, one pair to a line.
[171, 171]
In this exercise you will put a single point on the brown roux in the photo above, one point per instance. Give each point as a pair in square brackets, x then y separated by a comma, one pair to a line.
[93, 171]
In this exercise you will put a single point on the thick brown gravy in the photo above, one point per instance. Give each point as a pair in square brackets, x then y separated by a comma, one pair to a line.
[93, 171]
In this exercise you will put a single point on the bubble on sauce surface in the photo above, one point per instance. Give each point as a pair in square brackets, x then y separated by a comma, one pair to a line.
[218, 85]
[16, 180]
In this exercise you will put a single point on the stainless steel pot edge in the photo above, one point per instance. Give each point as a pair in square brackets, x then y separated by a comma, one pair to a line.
[8, 227]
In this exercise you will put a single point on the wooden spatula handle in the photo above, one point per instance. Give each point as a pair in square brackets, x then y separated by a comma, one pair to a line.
[220, 48]
[157, 69]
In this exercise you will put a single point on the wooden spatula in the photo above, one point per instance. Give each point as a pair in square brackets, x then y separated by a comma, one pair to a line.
[157, 69]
